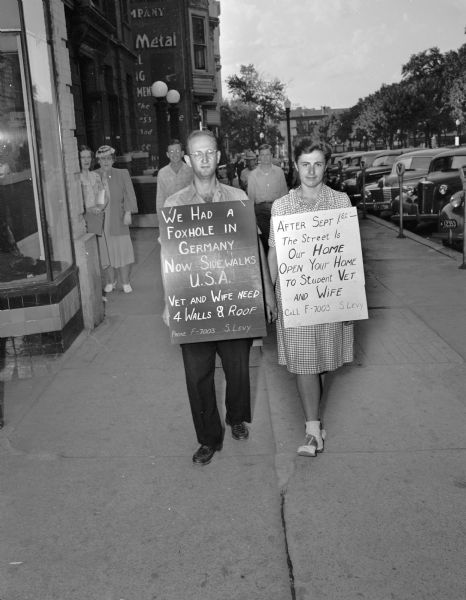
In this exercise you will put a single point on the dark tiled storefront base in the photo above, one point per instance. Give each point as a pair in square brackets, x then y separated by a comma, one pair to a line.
[38, 322]
[27, 356]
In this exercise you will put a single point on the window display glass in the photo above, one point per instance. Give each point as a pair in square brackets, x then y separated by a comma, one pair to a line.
[35, 241]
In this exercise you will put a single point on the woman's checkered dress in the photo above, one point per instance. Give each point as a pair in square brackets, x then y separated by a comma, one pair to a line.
[311, 348]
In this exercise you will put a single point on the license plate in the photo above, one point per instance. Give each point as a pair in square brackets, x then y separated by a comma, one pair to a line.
[448, 224]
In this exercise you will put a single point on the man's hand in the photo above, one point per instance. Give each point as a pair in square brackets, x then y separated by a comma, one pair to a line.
[127, 218]
[166, 316]
[95, 210]
[270, 304]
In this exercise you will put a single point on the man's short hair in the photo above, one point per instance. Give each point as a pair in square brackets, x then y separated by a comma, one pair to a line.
[175, 142]
[265, 147]
[198, 133]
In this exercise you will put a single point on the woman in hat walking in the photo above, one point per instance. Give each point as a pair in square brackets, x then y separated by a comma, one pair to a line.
[116, 248]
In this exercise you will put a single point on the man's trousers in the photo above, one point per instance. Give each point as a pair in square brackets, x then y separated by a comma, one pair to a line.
[199, 366]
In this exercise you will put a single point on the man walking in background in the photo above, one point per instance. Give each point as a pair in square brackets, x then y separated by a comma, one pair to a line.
[251, 163]
[265, 184]
[174, 176]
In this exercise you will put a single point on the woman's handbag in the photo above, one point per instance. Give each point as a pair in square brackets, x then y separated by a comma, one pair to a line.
[95, 222]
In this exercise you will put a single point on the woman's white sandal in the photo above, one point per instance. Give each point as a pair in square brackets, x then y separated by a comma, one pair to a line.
[313, 445]
[309, 448]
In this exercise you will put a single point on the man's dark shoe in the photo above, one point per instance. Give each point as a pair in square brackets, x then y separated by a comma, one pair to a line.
[239, 431]
[204, 454]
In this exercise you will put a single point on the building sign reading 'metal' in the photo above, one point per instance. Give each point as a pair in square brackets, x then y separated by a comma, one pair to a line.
[157, 39]
[211, 272]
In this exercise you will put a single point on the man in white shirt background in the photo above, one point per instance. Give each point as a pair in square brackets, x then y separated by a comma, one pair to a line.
[265, 184]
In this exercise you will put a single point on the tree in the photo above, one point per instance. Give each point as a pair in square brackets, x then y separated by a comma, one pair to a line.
[426, 77]
[258, 104]
[455, 65]
[240, 124]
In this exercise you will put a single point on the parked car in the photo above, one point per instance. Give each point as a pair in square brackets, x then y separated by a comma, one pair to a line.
[379, 196]
[377, 165]
[433, 191]
[451, 221]
[338, 162]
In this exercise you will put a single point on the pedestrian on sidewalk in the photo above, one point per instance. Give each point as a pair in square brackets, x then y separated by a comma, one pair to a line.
[174, 176]
[116, 252]
[310, 351]
[266, 183]
[251, 164]
[199, 357]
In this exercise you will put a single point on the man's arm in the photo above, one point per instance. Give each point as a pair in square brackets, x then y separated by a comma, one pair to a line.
[252, 193]
[161, 194]
[283, 184]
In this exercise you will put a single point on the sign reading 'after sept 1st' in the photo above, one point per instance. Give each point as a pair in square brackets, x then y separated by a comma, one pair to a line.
[211, 272]
[320, 267]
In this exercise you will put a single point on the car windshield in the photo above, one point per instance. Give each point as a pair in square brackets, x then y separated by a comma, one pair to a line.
[384, 161]
[413, 163]
[368, 159]
[448, 163]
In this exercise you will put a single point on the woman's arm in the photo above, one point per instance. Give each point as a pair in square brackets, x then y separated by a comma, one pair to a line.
[269, 294]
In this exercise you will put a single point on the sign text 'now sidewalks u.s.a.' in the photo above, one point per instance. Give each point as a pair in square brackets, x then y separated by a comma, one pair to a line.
[211, 272]
[320, 267]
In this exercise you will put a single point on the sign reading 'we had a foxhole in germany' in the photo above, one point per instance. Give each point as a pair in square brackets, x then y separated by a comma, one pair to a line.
[320, 267]
[211, 272]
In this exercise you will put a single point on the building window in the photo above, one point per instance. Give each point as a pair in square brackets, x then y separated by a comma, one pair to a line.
[108, 9]
[35, 240]
[199, 43]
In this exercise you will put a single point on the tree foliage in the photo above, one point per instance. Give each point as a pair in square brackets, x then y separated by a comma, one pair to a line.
[255, 108]
[251, 88]
[427, 101]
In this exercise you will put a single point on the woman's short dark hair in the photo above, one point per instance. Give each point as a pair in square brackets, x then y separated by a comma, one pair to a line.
[307, 146]
[84, 148]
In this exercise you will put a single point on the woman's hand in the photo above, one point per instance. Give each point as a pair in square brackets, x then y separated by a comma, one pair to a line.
[127, 218]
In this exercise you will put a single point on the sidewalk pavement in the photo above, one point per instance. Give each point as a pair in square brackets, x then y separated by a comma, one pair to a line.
[100, 500]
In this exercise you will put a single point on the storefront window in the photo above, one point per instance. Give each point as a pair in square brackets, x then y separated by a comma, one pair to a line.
[35, 241]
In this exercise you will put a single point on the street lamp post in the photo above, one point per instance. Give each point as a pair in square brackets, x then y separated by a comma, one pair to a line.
[458, 135]
[288, 131]
[173, 97]
[166, 109]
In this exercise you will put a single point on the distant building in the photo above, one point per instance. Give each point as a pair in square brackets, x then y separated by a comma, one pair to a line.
[176, 43]
[303, 122]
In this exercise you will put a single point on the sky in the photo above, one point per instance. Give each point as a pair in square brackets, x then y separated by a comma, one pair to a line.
[334, 52]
